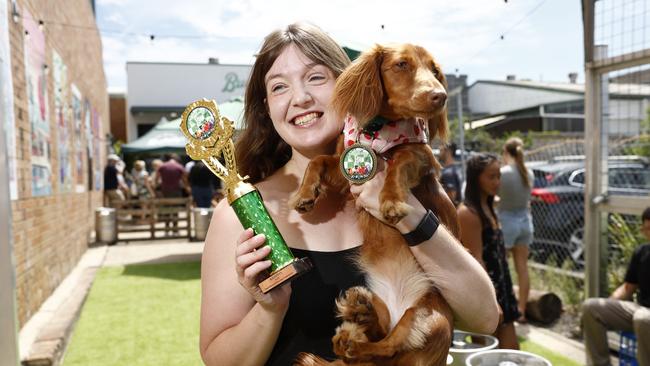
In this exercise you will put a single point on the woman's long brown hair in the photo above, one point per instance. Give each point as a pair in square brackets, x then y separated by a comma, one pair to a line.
[259, 150]
[515, 148]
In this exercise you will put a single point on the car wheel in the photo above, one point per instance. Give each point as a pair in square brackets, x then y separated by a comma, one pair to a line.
[576, 246]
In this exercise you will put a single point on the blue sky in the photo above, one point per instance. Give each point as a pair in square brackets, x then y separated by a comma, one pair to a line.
[542, 38]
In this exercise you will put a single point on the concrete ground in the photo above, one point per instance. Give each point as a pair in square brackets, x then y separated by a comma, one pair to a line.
[43, 339]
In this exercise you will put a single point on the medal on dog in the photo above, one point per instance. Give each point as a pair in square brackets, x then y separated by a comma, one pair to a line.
[358, 163]
[210, 139]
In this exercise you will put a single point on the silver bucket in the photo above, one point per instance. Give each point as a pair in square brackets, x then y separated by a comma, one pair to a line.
[202, 217]
[465, 343]
[105, 225]
[506, 357]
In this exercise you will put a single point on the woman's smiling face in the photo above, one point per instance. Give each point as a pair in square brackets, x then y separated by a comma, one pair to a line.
[298, 97]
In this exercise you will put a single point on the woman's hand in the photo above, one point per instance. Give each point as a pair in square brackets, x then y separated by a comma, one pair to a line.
[367, 198]
[251, 266]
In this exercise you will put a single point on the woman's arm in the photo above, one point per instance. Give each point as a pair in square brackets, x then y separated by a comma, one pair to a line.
[239, 324]
[471, 237]
[459, 277]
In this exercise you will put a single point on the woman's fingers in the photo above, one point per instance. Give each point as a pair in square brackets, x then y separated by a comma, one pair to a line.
[247, 259]
[249, 244]
[253, 271]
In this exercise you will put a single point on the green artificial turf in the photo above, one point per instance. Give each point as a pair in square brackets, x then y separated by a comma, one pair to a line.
[149, 315]
[554, 358]
[140, 315]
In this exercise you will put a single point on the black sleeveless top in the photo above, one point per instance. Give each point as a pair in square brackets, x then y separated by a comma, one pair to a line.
[494, 256]
[310, 321]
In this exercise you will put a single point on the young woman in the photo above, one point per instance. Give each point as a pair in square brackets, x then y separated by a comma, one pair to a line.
[514, 214]
[288, 122]
[486, 245]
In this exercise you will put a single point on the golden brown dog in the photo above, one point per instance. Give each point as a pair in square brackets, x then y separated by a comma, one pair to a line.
[401, 318]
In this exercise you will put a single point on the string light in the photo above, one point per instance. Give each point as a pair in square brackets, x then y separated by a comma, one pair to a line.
[503, 35]
[14, 11]
[149, 36]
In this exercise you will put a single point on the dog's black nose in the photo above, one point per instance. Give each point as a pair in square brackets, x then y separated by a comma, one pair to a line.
[438, 98]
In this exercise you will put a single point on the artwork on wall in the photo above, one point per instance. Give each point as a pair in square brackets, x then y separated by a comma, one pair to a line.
[62, 122]
[36, 87]
[87, 113]
[7, 102]
[78, 145]
[97, 154]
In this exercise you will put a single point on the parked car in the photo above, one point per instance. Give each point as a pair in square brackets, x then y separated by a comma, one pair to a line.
[557, 203]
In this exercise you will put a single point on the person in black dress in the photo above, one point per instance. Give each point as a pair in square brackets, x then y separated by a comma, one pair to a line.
[486, 244]
[288, 122]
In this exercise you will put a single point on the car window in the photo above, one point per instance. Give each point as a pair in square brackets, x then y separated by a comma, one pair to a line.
[633, 177]
[578, 178]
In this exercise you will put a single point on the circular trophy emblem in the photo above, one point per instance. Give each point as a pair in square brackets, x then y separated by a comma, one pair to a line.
[358, 163]
[200, 123]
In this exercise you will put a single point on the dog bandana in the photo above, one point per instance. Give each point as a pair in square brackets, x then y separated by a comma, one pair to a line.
[391, 134]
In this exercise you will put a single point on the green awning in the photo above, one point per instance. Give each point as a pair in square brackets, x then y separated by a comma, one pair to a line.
[166, 136]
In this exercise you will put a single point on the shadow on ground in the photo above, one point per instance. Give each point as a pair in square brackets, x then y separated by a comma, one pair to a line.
[183, 271]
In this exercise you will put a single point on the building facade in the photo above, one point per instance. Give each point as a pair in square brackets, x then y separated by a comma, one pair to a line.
[55, 117]
[156, 90]
[505, 106]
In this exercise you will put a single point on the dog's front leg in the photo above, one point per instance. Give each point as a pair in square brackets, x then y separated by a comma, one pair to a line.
[408, 165]
[316, 176]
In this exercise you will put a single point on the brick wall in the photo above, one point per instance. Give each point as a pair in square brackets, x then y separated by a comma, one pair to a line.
[118, 116]
[52, 232]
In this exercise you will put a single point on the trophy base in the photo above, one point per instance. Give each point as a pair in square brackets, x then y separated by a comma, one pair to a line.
[286, 273]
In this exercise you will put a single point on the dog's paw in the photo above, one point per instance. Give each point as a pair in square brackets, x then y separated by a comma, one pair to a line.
[393, 211]
[304, 201]
[356, 306]
[347, 340]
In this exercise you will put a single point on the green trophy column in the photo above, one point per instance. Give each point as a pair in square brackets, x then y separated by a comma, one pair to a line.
[252, 214]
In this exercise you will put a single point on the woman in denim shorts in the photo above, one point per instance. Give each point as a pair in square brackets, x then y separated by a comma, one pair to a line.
[514, 214]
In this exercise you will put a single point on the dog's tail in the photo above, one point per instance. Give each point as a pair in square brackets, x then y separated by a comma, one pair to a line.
[308, 359]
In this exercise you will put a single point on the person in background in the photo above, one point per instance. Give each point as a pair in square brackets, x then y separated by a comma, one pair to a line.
[486, 244]
[124, 178]
[173, 184]
[288, 121]
[155, 177]
[202, 183]
[172, 177]
[619, 311]
[189, 165]
[514, 214]
[113, 187]
[143, 189]
[450, 174]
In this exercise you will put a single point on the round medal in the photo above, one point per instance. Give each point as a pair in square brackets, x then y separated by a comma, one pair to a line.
[358, 163]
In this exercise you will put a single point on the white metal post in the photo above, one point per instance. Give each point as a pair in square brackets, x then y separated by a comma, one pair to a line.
[8, 323]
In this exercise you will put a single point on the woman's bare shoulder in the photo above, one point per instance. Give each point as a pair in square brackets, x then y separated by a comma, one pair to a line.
[468, 215]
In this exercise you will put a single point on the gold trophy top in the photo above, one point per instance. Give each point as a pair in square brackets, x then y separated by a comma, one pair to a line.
[209, 138]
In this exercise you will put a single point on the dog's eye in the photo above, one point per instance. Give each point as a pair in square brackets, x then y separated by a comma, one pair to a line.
[402, 65]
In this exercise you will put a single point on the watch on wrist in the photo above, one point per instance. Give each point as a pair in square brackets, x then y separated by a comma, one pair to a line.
[424, 231]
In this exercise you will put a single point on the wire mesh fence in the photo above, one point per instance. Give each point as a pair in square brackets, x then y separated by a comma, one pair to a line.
[554, 120]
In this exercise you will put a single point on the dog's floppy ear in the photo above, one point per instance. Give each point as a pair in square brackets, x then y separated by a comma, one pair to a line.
[438, 125]
[359, 89]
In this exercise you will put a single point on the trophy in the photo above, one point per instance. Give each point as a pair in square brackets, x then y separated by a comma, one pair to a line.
[210, 139]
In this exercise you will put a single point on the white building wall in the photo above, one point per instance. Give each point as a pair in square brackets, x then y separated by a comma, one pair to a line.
[178, 84]
[625, 116]
[489, 98]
